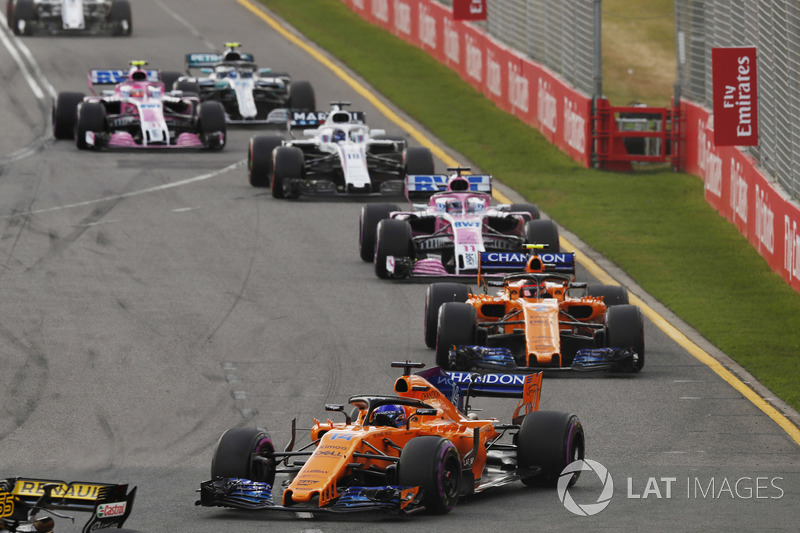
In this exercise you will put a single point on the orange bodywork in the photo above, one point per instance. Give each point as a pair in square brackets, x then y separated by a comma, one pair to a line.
[334, 456]
[541, 317]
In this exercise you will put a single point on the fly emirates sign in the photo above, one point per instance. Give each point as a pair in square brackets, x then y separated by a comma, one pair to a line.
[735, 96]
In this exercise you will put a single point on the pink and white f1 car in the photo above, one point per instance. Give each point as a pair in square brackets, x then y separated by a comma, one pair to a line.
[137, 113]
[457, 232]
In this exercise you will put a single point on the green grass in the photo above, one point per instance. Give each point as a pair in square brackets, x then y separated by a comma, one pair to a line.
[654, 224]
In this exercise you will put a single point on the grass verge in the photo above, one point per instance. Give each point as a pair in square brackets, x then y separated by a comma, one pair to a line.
[653, 224]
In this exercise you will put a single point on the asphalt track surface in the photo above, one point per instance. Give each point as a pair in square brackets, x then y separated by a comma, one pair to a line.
[152, 300]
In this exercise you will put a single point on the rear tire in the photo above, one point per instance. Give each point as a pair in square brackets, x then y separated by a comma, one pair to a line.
[393, 239]
[22, 10]
[436, 295]
[612, 294]
[532, 209]
[259, 159]
[624, 328]
[456, 326]
[418, 161]
[169, 78]
[65, 115]
[371, 215]
[301, 96]
[91, 118]
[549, 440]
[121, 17]
[233, 456]
[9, 13]
[433, 464]
[288, 166]
[211, 120]
[543, 232]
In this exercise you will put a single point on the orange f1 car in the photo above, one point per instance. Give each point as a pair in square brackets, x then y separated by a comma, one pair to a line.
[421, 449]
[540, 319]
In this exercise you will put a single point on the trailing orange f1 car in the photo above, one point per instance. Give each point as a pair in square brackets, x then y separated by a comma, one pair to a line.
[421, 449]
[540, 319]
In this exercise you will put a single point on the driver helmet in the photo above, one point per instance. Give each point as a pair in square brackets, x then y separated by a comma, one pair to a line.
[339, 135]
[530, 291]
[454, 206]
[137, 92]
[389, 415]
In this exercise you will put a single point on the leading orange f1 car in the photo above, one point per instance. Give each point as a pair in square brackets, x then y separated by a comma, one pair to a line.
[421, 449]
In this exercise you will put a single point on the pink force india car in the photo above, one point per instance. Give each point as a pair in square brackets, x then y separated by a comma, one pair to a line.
[456, 234]
[137, 113]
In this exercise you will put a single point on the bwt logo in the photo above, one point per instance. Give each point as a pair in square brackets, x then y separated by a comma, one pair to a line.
[467, 224]
[493, 75]
[402, 17]
[380, 10]
[452, 48]
[518, 93]
[427, 27]
[546, 107]
[738, 191]
[474, 59]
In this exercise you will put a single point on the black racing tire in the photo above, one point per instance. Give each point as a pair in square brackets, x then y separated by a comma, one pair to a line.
[287, 166]
[612, 294]
[436, 295]
[233, 456]
[624, 328]
[432, 463]
[543, 232]
[533, 209]
[549, 440]
[301, 96]
[418, 160]
[23, 10]
[169, 78]
[65, 114]
[371, 215]
[121, 17]
[259, 159]
[210, 120]
[187, 87]
[9, 13]
[393, 239]
[456, 326]
[91, 117]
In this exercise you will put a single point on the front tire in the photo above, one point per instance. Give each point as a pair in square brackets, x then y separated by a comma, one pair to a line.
[65, 115]
[393, 239]
[456, 327]
[612, 294]
[371, 215]
[436, 295]
[418, 161]
[259, 159]
[550, 441]
[288, 166]
[22, 11]
[211, 120]
[233, 456]
[531, 209]
[433, 464]
[543, 232]
[121, 17]
[624, 328]
[91, 118]
[301, 96]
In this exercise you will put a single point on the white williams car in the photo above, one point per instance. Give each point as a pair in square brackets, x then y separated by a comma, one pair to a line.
[340, 156]
[26, 17]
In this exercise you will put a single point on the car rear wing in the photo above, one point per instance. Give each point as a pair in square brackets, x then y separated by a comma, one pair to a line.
[424, 185]
[113, 76]
[526, 387]
[205, 59]
[110, 504]
[497, 262]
